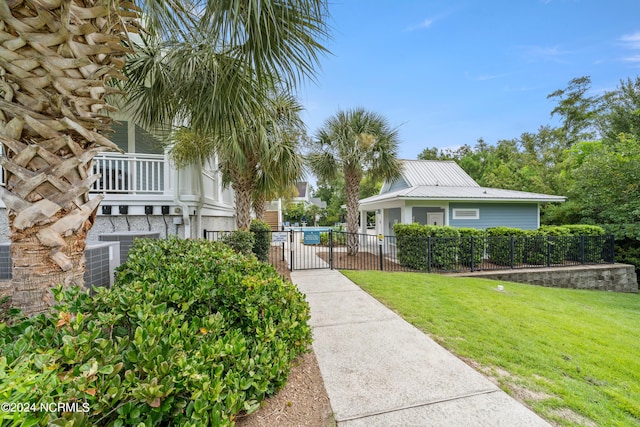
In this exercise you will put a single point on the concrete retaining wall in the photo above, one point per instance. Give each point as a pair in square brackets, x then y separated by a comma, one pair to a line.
[604, 277]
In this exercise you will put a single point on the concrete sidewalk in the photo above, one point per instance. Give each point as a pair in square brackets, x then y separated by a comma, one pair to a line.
[381, 371]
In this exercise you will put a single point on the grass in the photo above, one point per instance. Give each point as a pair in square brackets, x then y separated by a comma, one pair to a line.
[573, 356]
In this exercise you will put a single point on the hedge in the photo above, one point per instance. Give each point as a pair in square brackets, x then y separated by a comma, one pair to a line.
[501, 242]
[467, 235]
[548, 244]
[413, 246]
[192, 333]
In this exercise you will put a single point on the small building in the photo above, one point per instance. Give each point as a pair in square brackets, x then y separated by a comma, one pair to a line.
[441, 193]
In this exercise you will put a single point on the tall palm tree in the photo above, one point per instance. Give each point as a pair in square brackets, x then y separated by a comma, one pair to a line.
[55, 62]
[356, 143]
[259, 158]
[283, 164]
[220, 84]
[57, 58]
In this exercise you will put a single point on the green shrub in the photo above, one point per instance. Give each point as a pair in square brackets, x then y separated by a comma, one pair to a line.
[411, 241]
[413, 246]
[479, 243]
[262, 239]
[240, 241]
[591, 247]
[338, 236]
[506, 245]
[192, 333]
[547, 244]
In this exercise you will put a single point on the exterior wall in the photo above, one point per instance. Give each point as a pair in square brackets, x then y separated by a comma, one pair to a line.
[391, 216]
[519, 215]
[419, 213]
[106, 224]
[608, 277]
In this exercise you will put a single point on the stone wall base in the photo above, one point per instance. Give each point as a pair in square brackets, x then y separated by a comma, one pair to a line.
[602, 277]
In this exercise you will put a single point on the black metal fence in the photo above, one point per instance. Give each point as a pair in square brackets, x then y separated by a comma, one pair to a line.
[317, 249]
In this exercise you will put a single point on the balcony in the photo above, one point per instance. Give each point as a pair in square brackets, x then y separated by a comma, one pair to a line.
[130, 173]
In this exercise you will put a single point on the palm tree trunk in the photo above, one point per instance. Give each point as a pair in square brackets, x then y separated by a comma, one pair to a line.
[243, 190]
[259, 206]
[57, 58]
[352, 193]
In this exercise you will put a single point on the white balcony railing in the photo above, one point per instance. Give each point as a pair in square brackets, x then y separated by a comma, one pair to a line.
[130, 173]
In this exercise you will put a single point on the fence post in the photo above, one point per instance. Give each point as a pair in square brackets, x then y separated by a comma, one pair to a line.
[380, 252]
[429, 254]
[513, 248]
[548, 251]
[582, 257]
[612, 247]
[291, 243]
[331, 248]
[204, 234]
[473, 252]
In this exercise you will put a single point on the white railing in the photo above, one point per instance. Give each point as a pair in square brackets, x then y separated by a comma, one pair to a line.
[126, 173]
[130, 173]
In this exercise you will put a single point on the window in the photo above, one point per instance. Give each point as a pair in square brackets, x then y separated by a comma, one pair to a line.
[466, 214]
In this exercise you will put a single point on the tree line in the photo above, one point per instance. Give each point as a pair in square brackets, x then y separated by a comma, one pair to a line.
[592, 157]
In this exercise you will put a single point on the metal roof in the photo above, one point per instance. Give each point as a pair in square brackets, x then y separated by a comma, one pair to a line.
[475, 193]
[435, 173]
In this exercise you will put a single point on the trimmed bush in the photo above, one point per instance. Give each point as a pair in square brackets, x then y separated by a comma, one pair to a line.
[547, 244]
[240, 241]
[479, 243]
[262, 239]
[502, 241]
[192, 333]
[413, 246]
[591, 246]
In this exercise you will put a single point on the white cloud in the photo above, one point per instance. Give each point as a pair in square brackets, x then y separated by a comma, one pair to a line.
[546, 53]
[426, 23]
[631, 40]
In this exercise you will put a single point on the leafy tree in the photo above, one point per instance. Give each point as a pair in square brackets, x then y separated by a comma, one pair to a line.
[333, 193]
[621, 111]
[606, 181]
[358, 143]
[577, 110]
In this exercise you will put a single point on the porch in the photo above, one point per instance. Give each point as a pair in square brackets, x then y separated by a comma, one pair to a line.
[131, 173]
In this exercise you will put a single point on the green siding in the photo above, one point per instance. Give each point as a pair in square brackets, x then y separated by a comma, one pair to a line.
[519, 215]
[120, 136]
[147, 143]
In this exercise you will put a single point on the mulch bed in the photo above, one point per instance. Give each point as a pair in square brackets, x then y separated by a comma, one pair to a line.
[361, 261]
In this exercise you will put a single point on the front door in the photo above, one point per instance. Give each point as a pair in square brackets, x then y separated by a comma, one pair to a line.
[435, 218]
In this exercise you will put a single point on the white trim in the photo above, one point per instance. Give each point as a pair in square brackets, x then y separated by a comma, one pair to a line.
[466, 213]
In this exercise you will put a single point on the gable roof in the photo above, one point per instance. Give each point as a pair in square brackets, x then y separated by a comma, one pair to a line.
[435, 173]
[445, 180]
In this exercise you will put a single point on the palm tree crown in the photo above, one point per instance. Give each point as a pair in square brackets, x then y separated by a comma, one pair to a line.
[355, 142]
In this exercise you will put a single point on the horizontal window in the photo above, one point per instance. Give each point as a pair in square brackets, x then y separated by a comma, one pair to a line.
[466, 214]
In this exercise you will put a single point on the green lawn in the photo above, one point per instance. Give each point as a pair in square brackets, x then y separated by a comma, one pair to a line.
[573, 356]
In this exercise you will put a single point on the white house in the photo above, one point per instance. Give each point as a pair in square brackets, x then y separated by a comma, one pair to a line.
[143, 191]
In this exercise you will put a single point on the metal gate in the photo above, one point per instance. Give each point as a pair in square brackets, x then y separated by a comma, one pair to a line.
[302, 249]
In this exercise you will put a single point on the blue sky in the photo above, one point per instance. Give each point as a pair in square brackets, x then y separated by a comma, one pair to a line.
[450, 72]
